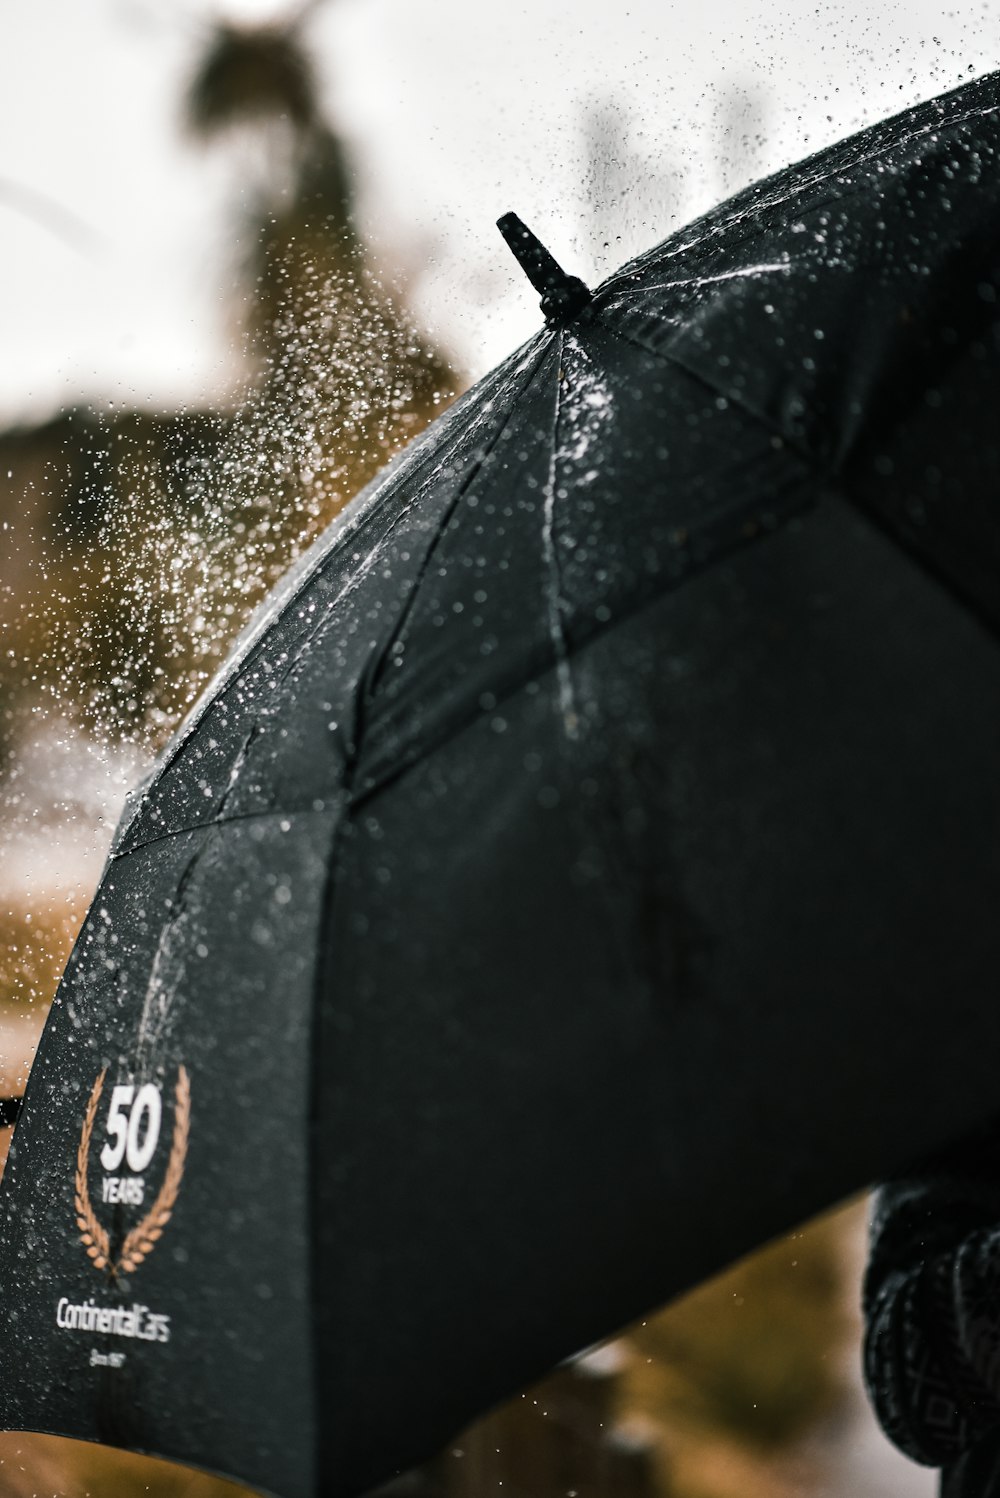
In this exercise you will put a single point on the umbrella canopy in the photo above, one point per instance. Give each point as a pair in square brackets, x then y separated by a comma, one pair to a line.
[585, 869]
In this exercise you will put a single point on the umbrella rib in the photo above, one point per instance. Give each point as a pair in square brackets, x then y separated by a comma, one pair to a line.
[361, 509]
[554, 603]
[760, 417]
[727, 275]
[306, 809]
[168, 964]
[376, 668]
[327, 619]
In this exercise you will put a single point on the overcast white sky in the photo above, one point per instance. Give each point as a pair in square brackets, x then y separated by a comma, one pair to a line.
[455, 112]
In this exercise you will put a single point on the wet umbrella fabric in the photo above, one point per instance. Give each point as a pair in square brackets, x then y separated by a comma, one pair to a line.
[585, 869]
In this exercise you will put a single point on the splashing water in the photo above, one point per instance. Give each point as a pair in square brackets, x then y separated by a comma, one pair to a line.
[178, 530]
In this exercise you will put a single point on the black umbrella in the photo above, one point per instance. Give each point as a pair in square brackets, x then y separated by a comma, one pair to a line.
[587, 868]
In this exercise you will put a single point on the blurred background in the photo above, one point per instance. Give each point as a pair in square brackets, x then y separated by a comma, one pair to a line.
[247, 252]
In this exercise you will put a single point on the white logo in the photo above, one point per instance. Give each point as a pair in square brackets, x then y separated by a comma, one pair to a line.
[133, 1129]
[115, 1321]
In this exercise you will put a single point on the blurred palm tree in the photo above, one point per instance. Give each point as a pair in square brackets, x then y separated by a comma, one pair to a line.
[259, 85]
[254, 75]
[344, 377]
[155, 536]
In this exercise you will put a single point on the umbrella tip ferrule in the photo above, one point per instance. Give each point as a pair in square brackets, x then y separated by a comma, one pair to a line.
[563, 296]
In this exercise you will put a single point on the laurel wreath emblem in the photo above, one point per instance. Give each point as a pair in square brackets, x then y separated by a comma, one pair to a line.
[142, 1239]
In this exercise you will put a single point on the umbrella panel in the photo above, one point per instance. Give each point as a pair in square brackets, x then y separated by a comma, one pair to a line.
[227, 1001]
[595, 1063]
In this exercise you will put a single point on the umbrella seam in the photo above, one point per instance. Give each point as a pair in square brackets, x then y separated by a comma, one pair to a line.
[738, 543]
[739, 273]
[216, 822]
[363, 695]
[368, 683]
[795, 445]
[828, 474]
[354, 514]
[554, 601]
[758, 208]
